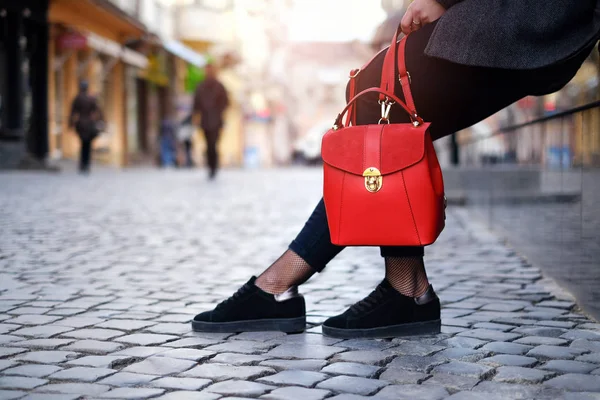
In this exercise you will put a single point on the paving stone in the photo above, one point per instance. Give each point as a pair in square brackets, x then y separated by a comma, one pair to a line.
[509, 360]
[588, 345]
[11, 394]
[493, 326]
[506, 348]
[127, 379]
[460, 354]
[555, 352]
[140, 351]
[4, 339]
[187, 395]
[239, 388]
[415, 363]
[507, 390]
[464, 369]
[84, 374]
[403, 377]
[97, 361]
[44, 331]
[355, 385]
[576, 383]
[65, 311]
[348, 396]
[43, 343]
[241, 346]
[464, 342]
[5, 328]
[4, 364]
[198, 342]
[592, 358]
[221, 372]
[581, 396]
[415, 349]
[567, 305]
[94, 346]
[569, 367]
[364, 344]
[125, 324]
[477, 396]
[295, 378]
[237, 359]
[11, 351]
[412, 392]
[88, 389]
[570, 335]
[32, 320]
[20, 382]
[181, 383]
[520, 375]
[32, 370]
[131, 393]
[540, 331]
[160, 366]
[302, 351]
[304, 365]
[296, 393]
[169, 328]
[97, 334]
[589, 326]
[50, 396]
[306, 338]
[557, 324]
[488, 334]
[187, 354]
[47, 357]
[365, 357]
[351, 369]
[146, 339]
[452, 383]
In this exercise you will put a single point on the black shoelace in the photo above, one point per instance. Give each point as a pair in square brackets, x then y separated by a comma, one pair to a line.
[240, 292]
[369, 302]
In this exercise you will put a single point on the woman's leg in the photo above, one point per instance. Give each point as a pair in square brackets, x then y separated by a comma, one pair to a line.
[307, 254]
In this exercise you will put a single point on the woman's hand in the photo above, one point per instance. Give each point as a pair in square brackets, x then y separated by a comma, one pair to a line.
[419, 13]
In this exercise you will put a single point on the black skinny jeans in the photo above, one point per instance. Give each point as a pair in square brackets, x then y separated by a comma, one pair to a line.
[450, 96]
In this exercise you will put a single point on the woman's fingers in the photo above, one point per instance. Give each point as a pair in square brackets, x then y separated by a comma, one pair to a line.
[407, 21]
[419, 13]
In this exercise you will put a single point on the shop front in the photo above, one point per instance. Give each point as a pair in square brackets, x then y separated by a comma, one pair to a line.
[87, 43]
[23, 82]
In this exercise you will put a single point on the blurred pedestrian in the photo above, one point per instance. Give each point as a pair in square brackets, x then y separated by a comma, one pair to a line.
[88, 120]
[185, 134]
[466, 59]
[168, 143]
[210, 101]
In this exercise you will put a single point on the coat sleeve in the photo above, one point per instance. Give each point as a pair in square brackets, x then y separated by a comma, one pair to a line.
[448, 3]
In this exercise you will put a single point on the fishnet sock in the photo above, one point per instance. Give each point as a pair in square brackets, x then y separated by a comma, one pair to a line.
[407, 275]
[289, 270]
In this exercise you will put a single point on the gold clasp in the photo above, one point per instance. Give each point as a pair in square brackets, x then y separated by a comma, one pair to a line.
[373, 179]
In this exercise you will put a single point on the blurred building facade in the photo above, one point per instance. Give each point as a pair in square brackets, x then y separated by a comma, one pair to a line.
[125, 49]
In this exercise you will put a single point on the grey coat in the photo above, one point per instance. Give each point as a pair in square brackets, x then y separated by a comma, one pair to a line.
[514, 34]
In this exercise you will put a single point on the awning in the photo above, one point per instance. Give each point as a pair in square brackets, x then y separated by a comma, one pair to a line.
[115, 50]
[185, 53]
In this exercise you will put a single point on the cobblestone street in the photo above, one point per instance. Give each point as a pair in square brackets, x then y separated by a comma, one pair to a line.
[100, 275]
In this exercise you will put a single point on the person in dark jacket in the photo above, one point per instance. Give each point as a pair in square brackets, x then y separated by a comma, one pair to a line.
[210, 101]
[467, 60]
[86, 117]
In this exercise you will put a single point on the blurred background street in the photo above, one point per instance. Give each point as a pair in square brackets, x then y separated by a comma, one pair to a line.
[142, 218]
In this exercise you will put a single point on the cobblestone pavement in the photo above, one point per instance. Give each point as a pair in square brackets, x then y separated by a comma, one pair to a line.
[99, 277]
[563, 239]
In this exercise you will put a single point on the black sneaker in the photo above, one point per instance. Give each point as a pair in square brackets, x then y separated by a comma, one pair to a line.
[387, 313]
[252, 309]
